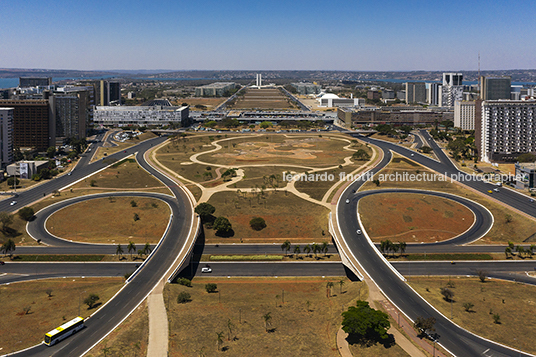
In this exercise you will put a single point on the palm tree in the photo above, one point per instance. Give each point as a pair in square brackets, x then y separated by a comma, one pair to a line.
[507, 251]
[324, 248]
[307, 249]
[402, 246]
[220, 340]
[316, 248]
[119, 250]
[267, 318]
[297, 251]
[8, 247]
[341, 283]
[395, 247]
[286, 246]
[329, 285]
[147, 249]
[131, 248]
[230, 327]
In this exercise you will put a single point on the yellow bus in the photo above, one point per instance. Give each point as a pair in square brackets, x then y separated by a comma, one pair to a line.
[64, 331]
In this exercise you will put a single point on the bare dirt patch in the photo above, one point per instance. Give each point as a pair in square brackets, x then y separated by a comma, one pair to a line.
[413, 218]
[264, 99]
[296, 329]
[18, 331]
[105, 220]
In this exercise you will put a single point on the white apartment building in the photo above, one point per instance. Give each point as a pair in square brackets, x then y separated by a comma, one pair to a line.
[6, 136]
[140, 115]
[507, 129]
[451, 89]
[464, 115]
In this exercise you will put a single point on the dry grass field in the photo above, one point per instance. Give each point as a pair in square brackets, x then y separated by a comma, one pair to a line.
[129, 339]
[286, 216]
[263, 99]
[312, 151]
[209, 103]
[19, 330]
[514, 303]
[413, 218]
[508, 225]
[259, 176]
[111, 220]
[297, 328]
[123, 174]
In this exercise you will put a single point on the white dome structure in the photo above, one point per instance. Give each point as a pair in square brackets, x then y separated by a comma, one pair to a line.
[326, 100]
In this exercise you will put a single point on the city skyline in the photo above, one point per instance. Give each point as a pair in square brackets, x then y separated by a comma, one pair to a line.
[209, 35]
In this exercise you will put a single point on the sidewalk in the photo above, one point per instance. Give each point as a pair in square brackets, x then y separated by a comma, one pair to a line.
[158, 323]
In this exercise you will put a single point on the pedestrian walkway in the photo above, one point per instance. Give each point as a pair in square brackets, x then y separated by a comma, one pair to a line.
[158, 323]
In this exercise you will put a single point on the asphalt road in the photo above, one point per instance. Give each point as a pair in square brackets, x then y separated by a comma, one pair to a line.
[126, 301]
[456, 340]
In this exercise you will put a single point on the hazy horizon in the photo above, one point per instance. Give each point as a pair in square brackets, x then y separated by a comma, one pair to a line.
[313, 35]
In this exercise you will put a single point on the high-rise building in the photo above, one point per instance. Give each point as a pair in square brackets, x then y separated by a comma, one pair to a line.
[451, 90]
[259, 80]
[432, 93]
[494, 88]
[105, 92]
[415, 92]
[33, 124]
[71, 109]
[504, 129]
[6, 136]
[464, 115]
[25, 82]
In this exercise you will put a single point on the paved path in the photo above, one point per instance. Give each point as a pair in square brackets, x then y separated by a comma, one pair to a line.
[158, 323]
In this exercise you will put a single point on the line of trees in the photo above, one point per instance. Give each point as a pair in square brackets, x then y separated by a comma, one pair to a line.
[387, 246]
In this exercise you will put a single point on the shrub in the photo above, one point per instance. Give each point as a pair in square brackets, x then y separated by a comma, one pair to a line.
[185, 282]
[133, 203]
[91, 300]
[211, 287]
[26, 213]
[257, 223]
[183, 297]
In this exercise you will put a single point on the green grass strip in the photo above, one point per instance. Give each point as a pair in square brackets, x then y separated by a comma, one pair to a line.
[57, 258]
[245, 257]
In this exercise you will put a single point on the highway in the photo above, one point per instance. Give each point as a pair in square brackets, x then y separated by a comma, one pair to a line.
[135, 292]
[456, 340]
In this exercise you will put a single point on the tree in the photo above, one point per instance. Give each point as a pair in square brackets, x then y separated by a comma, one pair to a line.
[329, 286]
[230, 327]
[119, 250]
[205, 210]
[133, 203]
[424, 324]
[402, 246]
[307, 249]
[468, 306]
[219, 341]
[222, 226]
[341, 283]
[286, 246]
[136, 217]
[257, 223]
[51, 151]
[426, 149]
[520, 251]
[26, 213]
[184, 282]
[48, 292]
[482, 275]
[361, 155]
[324, 248]
[211, 288]
[315, 248]
[447, 294]
[91, 300]
[366, 322]
[131, 248]
[6, 219]
[8, 247]
[507, 252]
[147, 249]
[297, 250]
[266, 125]
[183, 297]
[497, 319]
[267, 320]
[527, 157]
[13, 181]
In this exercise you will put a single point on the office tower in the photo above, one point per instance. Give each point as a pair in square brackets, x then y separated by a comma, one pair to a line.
[415, 92]
[71, 109]
[452, 89]
[464, 115]
[505, 129]
[432, 93]
[33, 125]
[494, 88]
[6, 136]
[259, 80]
[25, 82]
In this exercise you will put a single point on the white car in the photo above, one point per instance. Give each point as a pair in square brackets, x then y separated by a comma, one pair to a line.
[206, 270]
[358, 231]
[13, 203]
[496, 189]
[347, 200]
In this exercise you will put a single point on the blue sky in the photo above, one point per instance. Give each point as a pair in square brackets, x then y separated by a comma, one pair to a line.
[272, 35]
